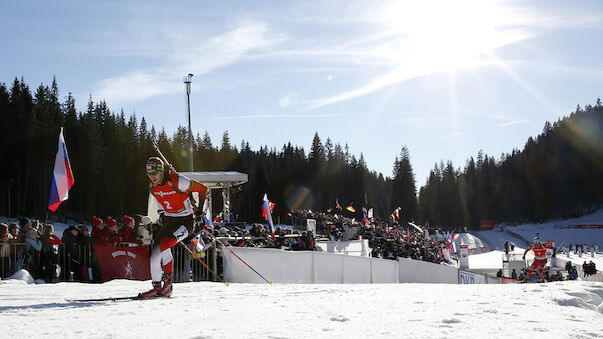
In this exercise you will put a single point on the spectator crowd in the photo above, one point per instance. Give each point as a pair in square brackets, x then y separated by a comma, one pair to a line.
[33, 246]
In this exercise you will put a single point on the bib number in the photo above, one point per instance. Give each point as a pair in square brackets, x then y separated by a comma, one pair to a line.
[181, 233]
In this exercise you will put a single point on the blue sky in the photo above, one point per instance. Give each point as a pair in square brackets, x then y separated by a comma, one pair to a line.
[444, 78]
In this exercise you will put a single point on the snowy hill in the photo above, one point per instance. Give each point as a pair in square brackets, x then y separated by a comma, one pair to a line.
[213, 310]
[549, 230]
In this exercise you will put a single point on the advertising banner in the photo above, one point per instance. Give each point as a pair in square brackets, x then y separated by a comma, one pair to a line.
[123, 262]
[471, 278]
[464, 255]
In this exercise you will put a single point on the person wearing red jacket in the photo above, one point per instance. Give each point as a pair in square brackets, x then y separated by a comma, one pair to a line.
[105, 234]
[540, 257]
[127, 231]
[172, 192]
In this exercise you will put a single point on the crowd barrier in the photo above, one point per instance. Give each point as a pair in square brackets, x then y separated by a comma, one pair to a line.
[96, 263]
[326, 268]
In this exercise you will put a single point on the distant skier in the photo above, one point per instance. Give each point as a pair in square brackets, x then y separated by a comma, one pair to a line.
[540, 257]
[171, 191]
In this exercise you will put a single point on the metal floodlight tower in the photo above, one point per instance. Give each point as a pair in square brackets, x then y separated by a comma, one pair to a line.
[187, 82]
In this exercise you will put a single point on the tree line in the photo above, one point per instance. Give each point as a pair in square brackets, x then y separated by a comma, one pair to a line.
[558, 174]
[108, 151]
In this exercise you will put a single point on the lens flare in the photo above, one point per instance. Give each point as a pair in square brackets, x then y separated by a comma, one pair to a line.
[298, 197]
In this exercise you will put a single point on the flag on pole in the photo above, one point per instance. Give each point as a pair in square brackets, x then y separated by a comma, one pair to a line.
[351, 208]
[198, 243]
[62, 177]
[365, 216]
[396, 214]
[267, 208]
[206, 215]
[337, 205]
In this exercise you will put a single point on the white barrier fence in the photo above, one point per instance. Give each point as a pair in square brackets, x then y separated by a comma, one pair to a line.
[307, 267]
[351, 247]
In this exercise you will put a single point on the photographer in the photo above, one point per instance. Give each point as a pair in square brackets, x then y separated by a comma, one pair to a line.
[29, 253]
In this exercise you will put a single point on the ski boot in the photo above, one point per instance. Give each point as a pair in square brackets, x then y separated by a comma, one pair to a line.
[153, 293]
[166, 290]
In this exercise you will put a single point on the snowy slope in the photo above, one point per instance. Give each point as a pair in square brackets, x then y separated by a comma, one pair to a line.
[213, 310]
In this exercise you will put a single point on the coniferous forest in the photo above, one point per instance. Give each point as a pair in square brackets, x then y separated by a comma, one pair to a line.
[557, 174]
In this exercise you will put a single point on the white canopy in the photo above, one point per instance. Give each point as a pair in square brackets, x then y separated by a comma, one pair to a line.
[217, 179]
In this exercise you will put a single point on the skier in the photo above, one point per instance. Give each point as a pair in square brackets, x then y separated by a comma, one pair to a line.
[172, 193]
[540, 257]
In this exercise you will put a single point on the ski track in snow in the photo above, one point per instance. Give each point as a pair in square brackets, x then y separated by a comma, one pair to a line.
[213, 310]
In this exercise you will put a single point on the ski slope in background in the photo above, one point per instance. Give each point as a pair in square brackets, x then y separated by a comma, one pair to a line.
[547, 230]
[212, 310]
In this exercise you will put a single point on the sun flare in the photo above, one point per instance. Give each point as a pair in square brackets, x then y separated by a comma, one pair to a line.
[440, 35]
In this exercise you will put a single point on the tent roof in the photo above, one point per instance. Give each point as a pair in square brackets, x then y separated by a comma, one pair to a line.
[217, 179]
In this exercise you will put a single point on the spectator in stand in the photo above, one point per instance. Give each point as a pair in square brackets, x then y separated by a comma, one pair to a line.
[90, 269]
[28, 257]
[113, 236]
[13, 229]
[105, 234]
[24, 226]
[50, 255]
[144, 231]
[71, 261]
[5, 236]
[585, 269]
[98, 230]
[127, 230]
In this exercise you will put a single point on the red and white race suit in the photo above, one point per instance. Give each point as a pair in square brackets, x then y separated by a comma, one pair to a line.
[177, 208]
[173, 203]
[540, 257]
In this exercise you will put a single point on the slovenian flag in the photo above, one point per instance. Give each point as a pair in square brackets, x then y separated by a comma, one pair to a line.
[62, 177]
[365, 216]
[452, 245]
[267, 208]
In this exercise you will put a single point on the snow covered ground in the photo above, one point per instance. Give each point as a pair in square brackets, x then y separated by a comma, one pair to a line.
[212, 310]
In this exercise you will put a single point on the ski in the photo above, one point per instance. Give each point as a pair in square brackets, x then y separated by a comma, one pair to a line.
[114, 299]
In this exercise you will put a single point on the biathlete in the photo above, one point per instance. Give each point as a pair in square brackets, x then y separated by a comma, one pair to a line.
[540, 257]
[175, 206]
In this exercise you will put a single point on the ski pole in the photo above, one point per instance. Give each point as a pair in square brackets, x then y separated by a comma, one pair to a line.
[243, 261]
[204, 264]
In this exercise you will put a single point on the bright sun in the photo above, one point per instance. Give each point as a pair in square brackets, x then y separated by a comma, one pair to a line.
[440, 35]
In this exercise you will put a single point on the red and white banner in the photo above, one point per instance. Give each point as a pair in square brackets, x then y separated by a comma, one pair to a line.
[123, 262]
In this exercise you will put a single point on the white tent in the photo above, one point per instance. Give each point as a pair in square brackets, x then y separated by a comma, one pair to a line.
[213, 180]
